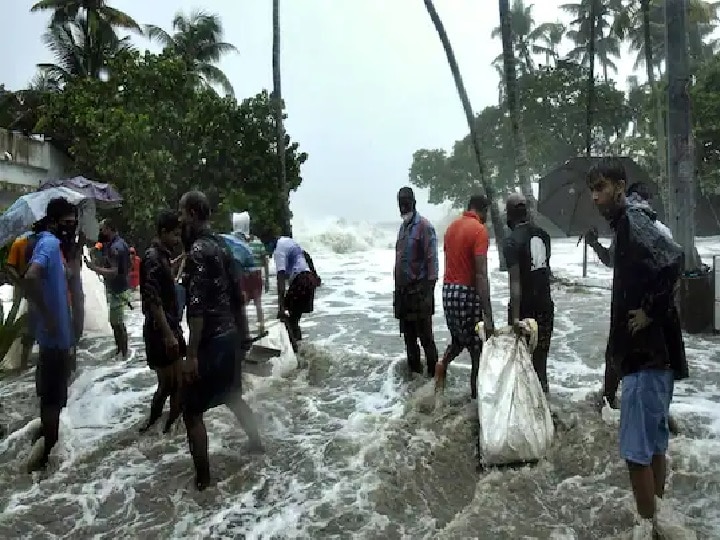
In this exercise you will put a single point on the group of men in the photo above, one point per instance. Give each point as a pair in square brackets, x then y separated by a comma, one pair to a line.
[466, 288]
[645, 348]
[196, 375]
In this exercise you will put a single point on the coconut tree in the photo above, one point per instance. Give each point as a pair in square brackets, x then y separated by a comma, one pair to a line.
[77, 52]
[278, 105]
[549, 37]
[521, 157]
[95, 11]
[470, 117]
[198, 39]
[606, 43]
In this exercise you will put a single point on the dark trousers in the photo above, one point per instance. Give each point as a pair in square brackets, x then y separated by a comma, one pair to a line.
[545, 319]
[612, 379]
[421, 330]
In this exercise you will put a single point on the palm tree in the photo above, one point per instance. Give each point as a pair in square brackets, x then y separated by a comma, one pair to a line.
[278, 106]
[606, 42]
[524, 35]
[462, 93]
[198, 40]
[94, 11]
[549, 38]
[521, 157]
[78, 54]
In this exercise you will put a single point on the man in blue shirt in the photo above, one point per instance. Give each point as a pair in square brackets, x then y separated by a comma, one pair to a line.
[47, 290]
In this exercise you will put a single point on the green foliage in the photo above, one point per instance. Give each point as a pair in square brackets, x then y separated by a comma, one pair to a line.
[705, 99]
[553, 107]
[152, 133]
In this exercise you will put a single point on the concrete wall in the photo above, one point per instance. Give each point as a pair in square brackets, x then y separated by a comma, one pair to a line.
[24, 162]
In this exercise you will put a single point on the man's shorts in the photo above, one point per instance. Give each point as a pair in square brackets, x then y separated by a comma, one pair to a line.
[52, 375]
[461, 305]
[644, 414]
[117, 302]
[252, 285]
[218, 375]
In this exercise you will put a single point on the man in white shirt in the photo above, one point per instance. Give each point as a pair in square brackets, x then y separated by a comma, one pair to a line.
[296, 284]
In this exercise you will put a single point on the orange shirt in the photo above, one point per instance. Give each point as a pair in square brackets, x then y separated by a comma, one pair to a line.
[17, 257]
[465, 239]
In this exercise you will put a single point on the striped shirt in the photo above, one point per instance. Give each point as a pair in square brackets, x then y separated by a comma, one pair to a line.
[416, 253]
[258, 252]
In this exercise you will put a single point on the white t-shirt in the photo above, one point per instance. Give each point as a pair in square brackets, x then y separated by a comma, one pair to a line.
[289, 258]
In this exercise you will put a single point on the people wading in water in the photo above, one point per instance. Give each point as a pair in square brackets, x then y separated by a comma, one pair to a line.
[527, 254]
[294, 266]
[116, 255]
[219, 337]
[645, 340]
[466, 289]
[416, 272]
[164, 341]
[637, 194]
[46, 286]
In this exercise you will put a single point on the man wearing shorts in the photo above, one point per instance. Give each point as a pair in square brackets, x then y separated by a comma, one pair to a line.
[116, 255]
[645, 340]
[47, 290]
[527, 253]
[164, 341]
[219, 336]
[466, 289]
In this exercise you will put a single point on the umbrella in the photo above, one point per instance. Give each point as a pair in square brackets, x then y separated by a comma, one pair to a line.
[241, 252]
[566, 200]
[30, 208]
[104, 195]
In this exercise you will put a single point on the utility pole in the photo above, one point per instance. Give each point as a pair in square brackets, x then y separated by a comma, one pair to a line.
[590, 112]
[681, 166]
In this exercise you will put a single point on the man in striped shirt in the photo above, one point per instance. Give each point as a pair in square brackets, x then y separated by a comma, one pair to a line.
[252, 279]
[416, 271]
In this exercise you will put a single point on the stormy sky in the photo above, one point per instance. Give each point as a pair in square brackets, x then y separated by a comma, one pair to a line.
[366, 83]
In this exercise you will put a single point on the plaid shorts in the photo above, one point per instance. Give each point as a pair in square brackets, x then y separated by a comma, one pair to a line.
[461, 305]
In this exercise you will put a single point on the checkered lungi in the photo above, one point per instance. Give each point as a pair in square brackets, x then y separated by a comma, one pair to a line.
[461, 305]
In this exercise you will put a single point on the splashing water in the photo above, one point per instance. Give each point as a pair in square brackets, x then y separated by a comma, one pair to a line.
[350, 454]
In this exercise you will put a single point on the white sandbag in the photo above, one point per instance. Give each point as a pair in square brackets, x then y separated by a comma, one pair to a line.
[515, 420]
[279, 339]
[96, 308]
[13, 358]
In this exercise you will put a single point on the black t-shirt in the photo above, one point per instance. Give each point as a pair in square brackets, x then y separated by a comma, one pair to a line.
[118, 254]
[528, 246]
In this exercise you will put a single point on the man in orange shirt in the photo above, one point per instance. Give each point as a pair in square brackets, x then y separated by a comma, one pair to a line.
[466, 289]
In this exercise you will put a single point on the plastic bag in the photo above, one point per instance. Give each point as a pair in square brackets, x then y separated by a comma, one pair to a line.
[515, 421]
[13, 358]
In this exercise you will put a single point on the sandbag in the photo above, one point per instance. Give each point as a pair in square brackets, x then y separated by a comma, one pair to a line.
[515, 421]
[13, 358]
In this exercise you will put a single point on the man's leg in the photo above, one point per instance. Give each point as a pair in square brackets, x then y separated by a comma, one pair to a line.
[259, 314]
[475, 355]
[175, 391]
[246, 418]
[546, 323]
[412, 349]
[158, 401]
[644, 434]
[198, 444]
[51, 380]
[427, 340]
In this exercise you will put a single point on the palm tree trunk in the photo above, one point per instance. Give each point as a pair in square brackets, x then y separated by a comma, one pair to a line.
[278, 102]
[489, 191]
[662, 180]
[521, 155]
[591, 79]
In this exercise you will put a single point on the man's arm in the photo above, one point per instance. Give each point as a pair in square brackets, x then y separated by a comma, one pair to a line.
[482, 282]
[281, 271]
[510, 250]
[112, 270]
[199, 291]
[430, 251]
[605, 255]
[150, 270]
[33, 277]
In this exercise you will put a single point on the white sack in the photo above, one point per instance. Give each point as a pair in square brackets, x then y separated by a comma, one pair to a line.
[13, 358]
[96, 307]
[515, 420]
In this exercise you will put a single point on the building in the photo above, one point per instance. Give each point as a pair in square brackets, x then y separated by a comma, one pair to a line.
[25, 162]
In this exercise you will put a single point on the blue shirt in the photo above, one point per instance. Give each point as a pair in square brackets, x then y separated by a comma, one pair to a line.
[416, 253]
[118, 253]
[54, 287]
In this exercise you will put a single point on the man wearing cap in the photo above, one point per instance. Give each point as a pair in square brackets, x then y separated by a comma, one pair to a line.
[527, 253]
[416, 271]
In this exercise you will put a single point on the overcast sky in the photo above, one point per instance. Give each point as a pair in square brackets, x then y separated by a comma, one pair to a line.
[366, 82]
